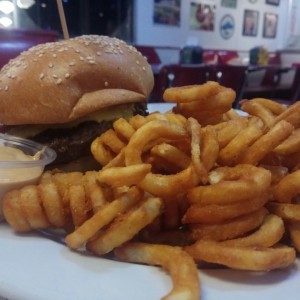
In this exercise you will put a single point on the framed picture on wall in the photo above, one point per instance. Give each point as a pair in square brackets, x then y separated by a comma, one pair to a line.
[229, 3]
[250, 22]
[273, 2]
[167, 12]
[202, 16]
[270, 25]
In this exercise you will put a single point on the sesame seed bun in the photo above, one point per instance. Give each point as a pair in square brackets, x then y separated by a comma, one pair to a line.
[63, 81]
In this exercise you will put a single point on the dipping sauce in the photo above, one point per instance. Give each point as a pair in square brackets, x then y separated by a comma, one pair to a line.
[14, 154]
[22, 162]
[16, 176]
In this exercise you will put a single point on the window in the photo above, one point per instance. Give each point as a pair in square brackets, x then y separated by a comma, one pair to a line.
[113, 17]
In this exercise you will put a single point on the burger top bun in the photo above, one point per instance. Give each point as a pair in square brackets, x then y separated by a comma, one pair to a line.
[62, 81]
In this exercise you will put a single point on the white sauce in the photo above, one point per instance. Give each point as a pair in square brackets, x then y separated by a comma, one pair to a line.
[14, 177]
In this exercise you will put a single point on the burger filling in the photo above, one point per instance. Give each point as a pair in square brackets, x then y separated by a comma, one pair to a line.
[72, 141]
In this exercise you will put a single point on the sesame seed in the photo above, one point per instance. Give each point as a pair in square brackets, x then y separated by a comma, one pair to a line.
[98, 53]
[55, 76]
[42, 75]
[144, 69]
[67, 75]
[59, 81]
[72, 63]
[106, 83]
[6, 88]
[50, 65]
[54, 55]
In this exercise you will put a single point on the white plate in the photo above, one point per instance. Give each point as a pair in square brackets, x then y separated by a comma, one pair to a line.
[35, 268]
[161, 107]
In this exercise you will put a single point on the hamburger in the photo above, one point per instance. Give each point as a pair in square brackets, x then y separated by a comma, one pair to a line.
[64, 94]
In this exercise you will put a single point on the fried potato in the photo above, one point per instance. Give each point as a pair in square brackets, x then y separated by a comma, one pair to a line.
[223, 186]
[102, 217]
[218, 213]
[120, 176]
[186, 283]
[242, 258]
[268, 234]
[126, 226]
[294, 233]
[240, 182]
[229, 229]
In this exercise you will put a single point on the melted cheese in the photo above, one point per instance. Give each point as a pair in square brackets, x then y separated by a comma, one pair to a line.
[108, 114]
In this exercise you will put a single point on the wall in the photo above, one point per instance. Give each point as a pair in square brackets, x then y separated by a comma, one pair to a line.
[148, 33]
[292, 40]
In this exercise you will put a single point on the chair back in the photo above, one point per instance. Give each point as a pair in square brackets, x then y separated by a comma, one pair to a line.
[231, 76]
[150, 53]
[272, 74]
[295, 88]
[175, 75]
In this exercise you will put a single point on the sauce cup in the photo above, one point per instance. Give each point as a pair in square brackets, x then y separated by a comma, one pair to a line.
[22, 162]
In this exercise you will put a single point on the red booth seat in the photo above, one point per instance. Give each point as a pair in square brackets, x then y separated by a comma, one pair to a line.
[219, 56]
[14, 41]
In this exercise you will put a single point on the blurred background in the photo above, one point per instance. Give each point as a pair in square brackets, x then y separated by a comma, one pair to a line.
[261, 38]
[214, 23]
[107, 17]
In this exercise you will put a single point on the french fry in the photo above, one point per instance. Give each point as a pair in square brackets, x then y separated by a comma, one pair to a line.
[186, 283]
[102, 217]
[199, 183]
[125, 227]
[242, 258]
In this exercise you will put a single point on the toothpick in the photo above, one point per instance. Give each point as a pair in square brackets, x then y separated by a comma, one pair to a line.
[62, 19]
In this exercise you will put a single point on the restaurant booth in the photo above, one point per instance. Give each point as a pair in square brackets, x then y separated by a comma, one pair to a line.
[14, 41]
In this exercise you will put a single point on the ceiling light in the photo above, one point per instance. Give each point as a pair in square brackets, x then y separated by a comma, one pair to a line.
[25, 3]
[5, 21]
[7, 7]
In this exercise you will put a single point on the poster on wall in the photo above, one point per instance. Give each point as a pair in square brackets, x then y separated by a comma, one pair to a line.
[167, 12]
[250, 22]
[202, 16]
[227, 27]
[270, 25]
[229, 3]
[273, 2]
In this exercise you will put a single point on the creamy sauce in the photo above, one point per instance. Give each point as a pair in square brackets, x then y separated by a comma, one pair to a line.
[14, 177]
[14, 154]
